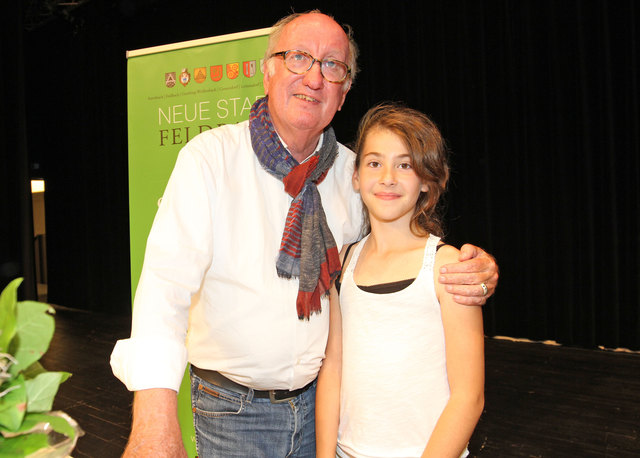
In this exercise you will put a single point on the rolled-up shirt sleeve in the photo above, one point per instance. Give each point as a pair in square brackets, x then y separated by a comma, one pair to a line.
[177, 256]
[143, 363]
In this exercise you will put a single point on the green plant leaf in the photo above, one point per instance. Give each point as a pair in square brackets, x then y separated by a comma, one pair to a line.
[42, 389]
[24, 445]
[33, 333]
[13, 405]
[8, 300]
[62, 426]
[56, 422]
[34, 370]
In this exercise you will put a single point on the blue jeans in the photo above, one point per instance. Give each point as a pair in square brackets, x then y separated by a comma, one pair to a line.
[230, 424]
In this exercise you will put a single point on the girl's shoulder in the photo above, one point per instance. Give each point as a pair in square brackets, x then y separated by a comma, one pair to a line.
[445, 254]
[345, 257]
[347, 253]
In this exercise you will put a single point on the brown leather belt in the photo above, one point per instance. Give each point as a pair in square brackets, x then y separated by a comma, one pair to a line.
[276, 396]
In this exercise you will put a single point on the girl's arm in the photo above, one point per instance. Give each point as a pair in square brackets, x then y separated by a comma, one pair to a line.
[328, 390]
[464, 339]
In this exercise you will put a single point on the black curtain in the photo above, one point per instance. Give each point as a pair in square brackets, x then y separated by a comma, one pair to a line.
[77, 134]
[538, 101]
[16, 236]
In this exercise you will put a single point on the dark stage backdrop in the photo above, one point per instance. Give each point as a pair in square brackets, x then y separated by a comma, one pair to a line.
[538, 100]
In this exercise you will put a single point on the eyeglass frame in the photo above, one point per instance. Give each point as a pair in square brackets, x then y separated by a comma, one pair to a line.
[313, 61]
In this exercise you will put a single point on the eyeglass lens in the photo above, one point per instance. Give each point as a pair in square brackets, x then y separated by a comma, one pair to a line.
[299, 62]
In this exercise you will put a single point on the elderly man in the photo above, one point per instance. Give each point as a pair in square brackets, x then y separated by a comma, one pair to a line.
[242, 250]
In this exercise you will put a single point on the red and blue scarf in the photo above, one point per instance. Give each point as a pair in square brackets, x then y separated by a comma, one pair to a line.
[307, 251]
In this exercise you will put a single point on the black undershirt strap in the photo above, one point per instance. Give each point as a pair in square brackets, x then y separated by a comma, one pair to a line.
[380, 288]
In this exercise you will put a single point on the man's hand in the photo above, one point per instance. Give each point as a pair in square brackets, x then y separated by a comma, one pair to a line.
[465, 278]
[155, 430]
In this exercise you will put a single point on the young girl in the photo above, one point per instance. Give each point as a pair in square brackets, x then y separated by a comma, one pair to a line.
[404, 369]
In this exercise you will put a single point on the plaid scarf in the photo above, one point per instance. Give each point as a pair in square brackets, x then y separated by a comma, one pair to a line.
[308, 250]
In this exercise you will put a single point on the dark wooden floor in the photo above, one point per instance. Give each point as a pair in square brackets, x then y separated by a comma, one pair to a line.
[101, 405]
[541, 400]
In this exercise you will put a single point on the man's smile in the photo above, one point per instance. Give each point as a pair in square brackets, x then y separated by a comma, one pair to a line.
[306, 98]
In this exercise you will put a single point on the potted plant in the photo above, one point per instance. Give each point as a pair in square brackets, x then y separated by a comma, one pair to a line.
[27, 425]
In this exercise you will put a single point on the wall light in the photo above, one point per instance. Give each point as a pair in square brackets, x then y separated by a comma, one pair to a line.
[37, 186]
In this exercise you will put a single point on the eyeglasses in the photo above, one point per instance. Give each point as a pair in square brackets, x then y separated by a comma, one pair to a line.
[300, 62]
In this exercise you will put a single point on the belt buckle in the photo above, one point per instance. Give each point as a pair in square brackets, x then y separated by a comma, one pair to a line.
[272, 398]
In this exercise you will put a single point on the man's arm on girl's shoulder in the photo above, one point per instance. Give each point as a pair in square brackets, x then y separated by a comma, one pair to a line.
[464, 337]
[464, 275]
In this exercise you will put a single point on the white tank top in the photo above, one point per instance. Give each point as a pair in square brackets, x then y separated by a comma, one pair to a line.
[394, 376]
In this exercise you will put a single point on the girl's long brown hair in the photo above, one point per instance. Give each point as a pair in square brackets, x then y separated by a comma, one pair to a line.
[428, 157]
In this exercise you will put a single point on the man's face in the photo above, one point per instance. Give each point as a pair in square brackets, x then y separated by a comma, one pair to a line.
[303, 105]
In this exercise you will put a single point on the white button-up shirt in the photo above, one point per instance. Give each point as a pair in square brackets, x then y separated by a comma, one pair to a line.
[209, 292]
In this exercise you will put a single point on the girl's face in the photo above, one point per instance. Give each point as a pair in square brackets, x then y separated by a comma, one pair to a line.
[385, 178]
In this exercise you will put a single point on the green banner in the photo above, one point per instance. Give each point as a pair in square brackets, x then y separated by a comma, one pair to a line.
[174, 92]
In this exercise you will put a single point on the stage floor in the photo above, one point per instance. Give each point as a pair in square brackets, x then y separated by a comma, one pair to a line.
[541, 400]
